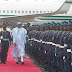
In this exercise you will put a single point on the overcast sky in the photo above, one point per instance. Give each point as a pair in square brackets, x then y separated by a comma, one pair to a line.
[33, 1]
[49, 4]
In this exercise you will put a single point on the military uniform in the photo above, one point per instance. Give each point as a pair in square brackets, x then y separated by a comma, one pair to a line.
[5, 42]
[68, 58]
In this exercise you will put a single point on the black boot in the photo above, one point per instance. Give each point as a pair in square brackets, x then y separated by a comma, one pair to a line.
[16, 62]
[22, 63]
[4, 63]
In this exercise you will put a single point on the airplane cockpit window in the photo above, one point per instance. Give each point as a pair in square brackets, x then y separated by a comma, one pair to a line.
[0, 11]
[36, 11]
[15, 11]
[7, 11]
[40, 11]
[22, 11]
[44, 11]
[3, 11]
[33, 11]
[18, 11]
[25, 11]
[29, 11]
[47, 11]
[11, 11]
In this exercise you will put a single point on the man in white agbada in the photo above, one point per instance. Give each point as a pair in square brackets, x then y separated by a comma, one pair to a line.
[19, 40]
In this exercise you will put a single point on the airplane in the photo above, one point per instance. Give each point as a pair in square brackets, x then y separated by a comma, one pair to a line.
[33, 11]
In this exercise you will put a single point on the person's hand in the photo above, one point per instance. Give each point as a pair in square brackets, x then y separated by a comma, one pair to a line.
[11, 42]
[14, 44]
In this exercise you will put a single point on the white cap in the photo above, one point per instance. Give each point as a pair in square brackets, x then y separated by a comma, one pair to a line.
[19, 23]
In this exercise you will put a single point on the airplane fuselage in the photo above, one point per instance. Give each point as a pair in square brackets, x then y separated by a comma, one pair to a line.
[10, 9]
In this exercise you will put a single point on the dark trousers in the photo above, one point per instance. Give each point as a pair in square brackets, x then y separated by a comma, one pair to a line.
[4, 50]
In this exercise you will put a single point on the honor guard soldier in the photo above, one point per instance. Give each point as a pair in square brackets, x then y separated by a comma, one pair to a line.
[5, 41]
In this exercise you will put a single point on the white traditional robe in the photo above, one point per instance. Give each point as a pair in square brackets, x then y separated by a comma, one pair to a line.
[19, 37]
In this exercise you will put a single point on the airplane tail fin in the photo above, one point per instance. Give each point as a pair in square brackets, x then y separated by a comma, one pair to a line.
[64, 8]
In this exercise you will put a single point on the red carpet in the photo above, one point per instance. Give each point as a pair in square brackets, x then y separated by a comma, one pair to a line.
[10, 65]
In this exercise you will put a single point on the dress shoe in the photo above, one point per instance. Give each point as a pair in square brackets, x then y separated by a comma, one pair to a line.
[16, 62]
[19, 60]
[22, 63]
[4, 63]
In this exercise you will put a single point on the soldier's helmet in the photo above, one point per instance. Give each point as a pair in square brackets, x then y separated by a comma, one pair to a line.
[5, 24]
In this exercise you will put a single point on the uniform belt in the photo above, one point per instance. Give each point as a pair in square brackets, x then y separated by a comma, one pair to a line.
[5, 39]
